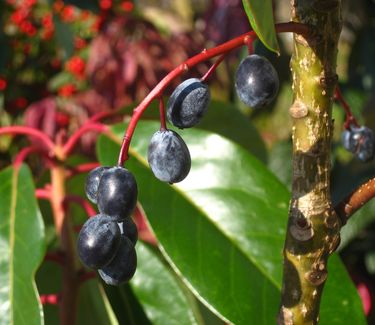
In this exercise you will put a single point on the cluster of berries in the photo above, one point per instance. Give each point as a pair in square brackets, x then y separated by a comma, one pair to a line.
[256, 84]
[360, 141]
[106, 241]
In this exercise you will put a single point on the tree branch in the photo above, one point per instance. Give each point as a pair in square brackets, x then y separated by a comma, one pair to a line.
[356, 200]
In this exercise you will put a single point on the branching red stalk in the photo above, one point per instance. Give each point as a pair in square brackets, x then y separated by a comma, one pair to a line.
[50, 299]
[85, 276]
[73, 140]
[212, 69]
[163, 125]
[350, 119]
[42, 193]
[205, 55]
[55, 257]
[356, 200]
[90, 211]
[22, 155]
[82, 168]
[250, 47]
[28, 131]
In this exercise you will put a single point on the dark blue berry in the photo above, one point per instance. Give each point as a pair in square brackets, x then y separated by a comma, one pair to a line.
[123, 266]
[98, 241]
[129, 229]
[360, 141]
[188, 103]
[256, 81]
[117, 193]
[92, 183]
[168, 156]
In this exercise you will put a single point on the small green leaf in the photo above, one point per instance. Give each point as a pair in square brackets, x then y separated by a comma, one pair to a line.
[22, 248]
[260, 14]
[153, 279]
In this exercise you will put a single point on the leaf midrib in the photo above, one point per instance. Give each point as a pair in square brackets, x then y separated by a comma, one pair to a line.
[12, 224]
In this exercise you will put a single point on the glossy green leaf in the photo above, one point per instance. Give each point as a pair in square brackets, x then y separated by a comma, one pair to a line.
[225, 119]
[93, 305]
[22, 248]
[222, 228]
[260, 14]
[153, 279]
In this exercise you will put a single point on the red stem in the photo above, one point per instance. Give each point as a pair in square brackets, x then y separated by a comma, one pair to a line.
[193, 61]
[163, 125]
[51, 299]
[28, 131]
[73, 140]
[82, 202]
[85, 276]
[42, 193]
[83, 168]
[101, 115]
[350, 119]
[213, 67]
[22, 155]
[249, 42]
[55, 257]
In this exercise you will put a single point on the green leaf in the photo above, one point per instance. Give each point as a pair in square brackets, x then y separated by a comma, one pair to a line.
[94, 307]
[225, 119]
[260, 16]
[222, 229]
[153, 279]
[22, 248]
[64, 37]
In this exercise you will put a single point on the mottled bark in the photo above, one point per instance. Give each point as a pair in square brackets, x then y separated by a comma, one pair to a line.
[313, 226]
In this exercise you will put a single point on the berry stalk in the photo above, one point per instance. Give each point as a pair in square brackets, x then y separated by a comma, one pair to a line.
[350, 119]
[205, 55]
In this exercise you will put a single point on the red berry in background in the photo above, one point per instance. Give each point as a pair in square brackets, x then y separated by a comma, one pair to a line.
[3, 84]
[67, 90]
[28, 28]
[56, 63]
[76, 66]
[20, 102]
[58, 5]
[127, 6]
[79, 43]
[47, 21]
[62, 119]
[105, 4]
[18, 16]
[67, 14]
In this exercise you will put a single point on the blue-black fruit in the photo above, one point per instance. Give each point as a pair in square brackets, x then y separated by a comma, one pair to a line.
[129, 229]
[188, 103]
[168, 156]
[360, 141]
[92, 182]
[117, 193]
[256, 81]
[123, 266]
[98, 241]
